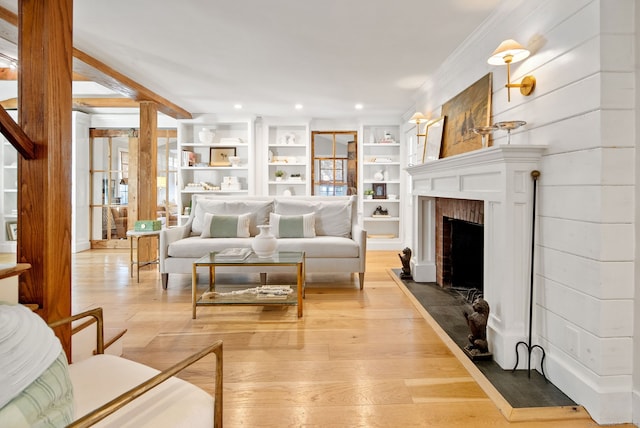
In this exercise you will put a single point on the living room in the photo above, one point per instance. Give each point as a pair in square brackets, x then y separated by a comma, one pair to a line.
[583, 115]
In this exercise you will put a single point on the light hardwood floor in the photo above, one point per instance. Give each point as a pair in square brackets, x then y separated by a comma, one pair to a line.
[356, 359]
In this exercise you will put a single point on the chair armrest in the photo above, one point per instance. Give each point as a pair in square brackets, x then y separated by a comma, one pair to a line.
[359, 235]
[122, 400]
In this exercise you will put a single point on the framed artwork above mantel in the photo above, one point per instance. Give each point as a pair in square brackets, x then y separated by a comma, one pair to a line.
[469, 109]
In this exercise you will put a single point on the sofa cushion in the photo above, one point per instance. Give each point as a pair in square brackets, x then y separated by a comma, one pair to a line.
[292, 226]
[321, 246]
[226, 226]
[259, 210]
[333, 218]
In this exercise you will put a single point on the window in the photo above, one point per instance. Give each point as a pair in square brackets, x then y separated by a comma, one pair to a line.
[334, 163]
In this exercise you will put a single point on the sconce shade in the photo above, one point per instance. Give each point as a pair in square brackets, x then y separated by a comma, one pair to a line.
[418, 118]
[509, 51]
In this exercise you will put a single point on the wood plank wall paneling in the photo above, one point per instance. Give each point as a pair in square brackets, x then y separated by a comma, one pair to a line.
[44, 90]
[583, 108]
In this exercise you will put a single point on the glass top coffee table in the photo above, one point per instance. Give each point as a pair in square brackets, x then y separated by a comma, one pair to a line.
[264, 295]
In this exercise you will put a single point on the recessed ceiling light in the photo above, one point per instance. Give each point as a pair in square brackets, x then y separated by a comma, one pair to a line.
[298, 106]
[359, 106]
[237, 106]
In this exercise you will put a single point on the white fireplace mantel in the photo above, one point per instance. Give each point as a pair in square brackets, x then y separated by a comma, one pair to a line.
[501, 177]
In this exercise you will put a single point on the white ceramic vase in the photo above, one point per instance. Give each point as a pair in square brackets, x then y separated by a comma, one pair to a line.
[206, 136]
[264, 244]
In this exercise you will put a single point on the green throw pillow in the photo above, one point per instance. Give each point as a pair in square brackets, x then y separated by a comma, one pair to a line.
[226, 226]
[293, 226]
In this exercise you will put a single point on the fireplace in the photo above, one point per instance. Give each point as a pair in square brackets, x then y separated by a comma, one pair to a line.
[490, 187]
[459, 243]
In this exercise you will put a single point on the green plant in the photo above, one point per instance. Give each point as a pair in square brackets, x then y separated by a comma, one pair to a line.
[279, 173]
[368, 192]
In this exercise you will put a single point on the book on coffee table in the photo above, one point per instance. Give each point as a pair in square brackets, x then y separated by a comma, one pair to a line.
[233, 254]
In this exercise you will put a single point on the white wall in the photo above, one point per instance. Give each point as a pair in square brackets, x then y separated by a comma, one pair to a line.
[583, 109]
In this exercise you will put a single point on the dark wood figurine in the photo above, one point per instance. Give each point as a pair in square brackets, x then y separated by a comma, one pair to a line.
[405, 258]
[477, 322]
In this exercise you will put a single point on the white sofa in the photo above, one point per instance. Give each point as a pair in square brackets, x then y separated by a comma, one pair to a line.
[339, 244]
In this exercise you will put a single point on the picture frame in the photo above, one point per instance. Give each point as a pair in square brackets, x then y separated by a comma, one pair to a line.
[469, 109]
[434, 131]
[379, 190]
[219, 156]
[12, 230]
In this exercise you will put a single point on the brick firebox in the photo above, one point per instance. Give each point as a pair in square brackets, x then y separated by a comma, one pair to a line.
[459, 209]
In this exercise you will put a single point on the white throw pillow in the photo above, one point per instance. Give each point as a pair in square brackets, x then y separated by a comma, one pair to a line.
[333, 218]
[293, 226]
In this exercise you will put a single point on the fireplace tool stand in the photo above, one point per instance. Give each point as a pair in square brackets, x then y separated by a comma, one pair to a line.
[530, 348]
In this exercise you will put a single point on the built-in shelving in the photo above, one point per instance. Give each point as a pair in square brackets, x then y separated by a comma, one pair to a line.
[381, 172]
[287, 150]
[206, 167]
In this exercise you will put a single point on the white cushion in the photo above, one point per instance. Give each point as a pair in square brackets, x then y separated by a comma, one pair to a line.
[226, 226]
[333, 218]
[293, 226]
[259, 210]
[174, 403]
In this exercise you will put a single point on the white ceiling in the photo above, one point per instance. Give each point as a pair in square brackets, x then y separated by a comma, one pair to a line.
[207, 55]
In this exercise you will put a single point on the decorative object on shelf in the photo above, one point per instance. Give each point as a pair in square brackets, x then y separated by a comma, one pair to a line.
[270, 156]
[279, 175]
[220, 156]
[405, 259]
[12, 230]
[229, 183]
[478, 347]
[206, 136]
[469, 109]
[264, 244]
[380, 212]
[295, 177]
[387, 138]
[187, 210]
[288, 138]
[382, 160]
[379, 190]
[510, 52]
[189, 158]
[234, 160]
[287, 192]
[509, 125]
[484, 131]
[392, 197]
[368, 194]
[379, 175]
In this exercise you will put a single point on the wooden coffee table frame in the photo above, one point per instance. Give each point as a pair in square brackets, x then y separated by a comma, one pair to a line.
[295, 259]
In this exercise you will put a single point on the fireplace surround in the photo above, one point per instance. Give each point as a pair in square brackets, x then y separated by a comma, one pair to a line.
[500, 178]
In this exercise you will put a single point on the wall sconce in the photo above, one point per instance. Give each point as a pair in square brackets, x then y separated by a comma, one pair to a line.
[419, 118]
[510, 52]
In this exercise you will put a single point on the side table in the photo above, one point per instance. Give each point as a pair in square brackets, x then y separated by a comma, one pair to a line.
[134, 235]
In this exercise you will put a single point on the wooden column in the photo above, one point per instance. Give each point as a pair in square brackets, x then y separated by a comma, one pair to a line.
[44, 197]
[145, 171]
